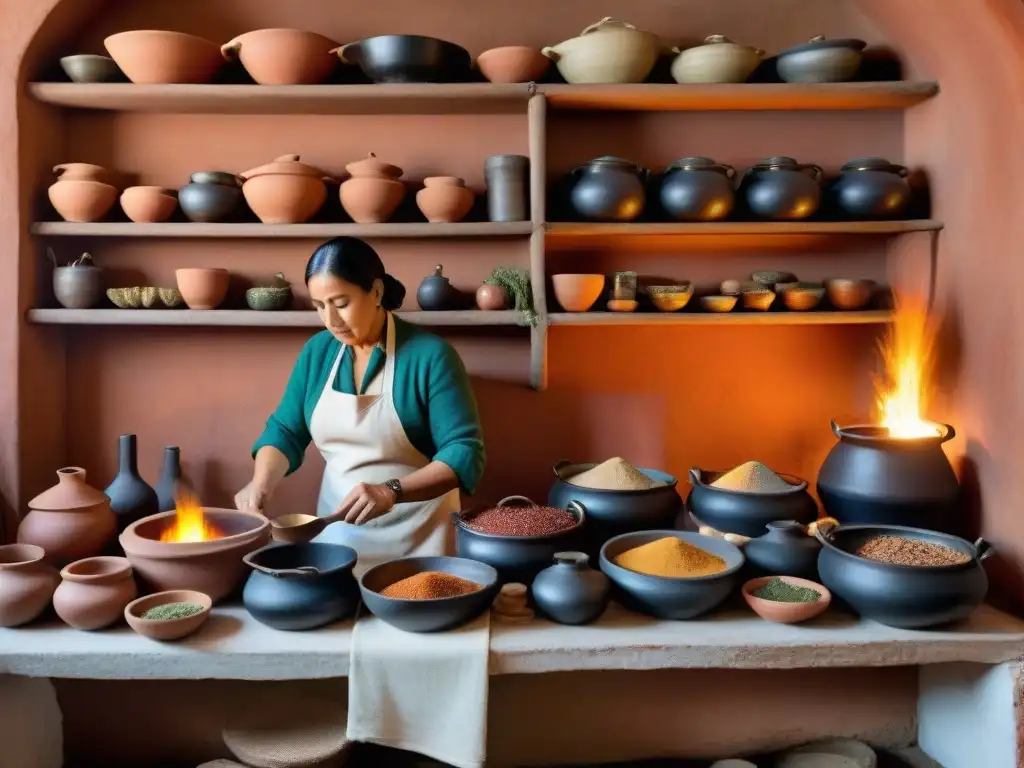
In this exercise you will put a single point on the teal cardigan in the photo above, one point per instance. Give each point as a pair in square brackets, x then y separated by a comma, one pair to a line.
[432, 395]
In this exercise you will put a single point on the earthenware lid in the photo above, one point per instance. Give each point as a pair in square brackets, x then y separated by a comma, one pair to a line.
[373, 168]
[820, 41]
[285, 165]
[214, 177]
[778, 163]
[70, 492]
[723, 40]
[699, 164]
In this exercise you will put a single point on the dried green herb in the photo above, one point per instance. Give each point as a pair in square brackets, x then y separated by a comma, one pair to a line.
[517, 282]
[169, 611]
[781, 592]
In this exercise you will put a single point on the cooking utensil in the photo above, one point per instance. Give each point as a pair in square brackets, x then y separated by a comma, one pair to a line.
[301, 528]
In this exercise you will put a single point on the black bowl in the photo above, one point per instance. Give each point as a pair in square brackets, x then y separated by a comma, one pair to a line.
[905, 596]
[744, 512]
[669, 598]
[409, 59]
[428, 615]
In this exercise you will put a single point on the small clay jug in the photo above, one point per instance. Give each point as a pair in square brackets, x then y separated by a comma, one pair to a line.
[79, 285]
[131, 497]
[698, 189]
[285, 191]
[781, 188]
[374, 191]
[69, 521]
[167, 484]
[492, 298]
[82, 192]
[436, 293]
[871, 188]
[444, 199]
[786, 550]
[570, 591]
[27, 583]
[210, 196]
[93, 592]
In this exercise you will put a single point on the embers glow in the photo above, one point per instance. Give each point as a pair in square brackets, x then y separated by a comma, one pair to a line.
[190, 523]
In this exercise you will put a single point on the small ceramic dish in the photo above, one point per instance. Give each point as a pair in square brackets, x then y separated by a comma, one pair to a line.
[769, 277]
[786, 613]
[848, 294]
[801, 297]
[670, 298]
[760, 299]
[719, 303]
[622, 305]
[167, 629]
[90, 68]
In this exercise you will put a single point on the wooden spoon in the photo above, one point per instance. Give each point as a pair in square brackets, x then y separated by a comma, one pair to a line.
[299, 528]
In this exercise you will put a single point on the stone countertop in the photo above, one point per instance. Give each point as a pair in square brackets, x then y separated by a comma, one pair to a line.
[234, 646]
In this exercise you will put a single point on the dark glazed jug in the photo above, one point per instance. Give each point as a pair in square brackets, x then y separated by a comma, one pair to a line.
[786, 550]
[570, 591]
[165, 486]
[783, 189]
[609, 189]
[210, 196]
[872, 188]
[435, 292]
[870, 478]
[131, 497]
[698, 189]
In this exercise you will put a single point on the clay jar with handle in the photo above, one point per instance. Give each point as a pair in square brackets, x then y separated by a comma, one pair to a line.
[785, 550]
[570, 591]
[698, 189]
[283, 56]
[210, 196]
[27, 583]
[148, 205]
[82, 192]
[871, 188]
[781, 188]
[606, 52]
[79, 285]
[374, 191]
[444, 199]
[609, 189]
[285, 191]
[436, 293]
[93, 592]
[69, 521]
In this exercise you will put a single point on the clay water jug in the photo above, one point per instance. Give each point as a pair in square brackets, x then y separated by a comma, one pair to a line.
[609, 189]
[165, 486]
[698, 189]
[436, 293]
[871, 188]
[374, 191]
[27, 583]
[781, 188]
[131, 497]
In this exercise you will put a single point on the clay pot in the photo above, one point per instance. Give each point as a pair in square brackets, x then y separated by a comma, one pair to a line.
[27, 583]
[210, 196]
[698, 189]
[285, 191]
[821, 61]
[167, 629]
[69, 521]
[78, 285]
[283, 56]
[719, 60]
[90, 68]
[846, 294]
[148, 205]
[606, 52]
[159, 56]
[609, 189]
[492, 298]
[444, 199]
[436, 293]
[374, 191]
[577, 293]
[202, 288]
[93, 592]
[513, 64]
[82, 192]
[780, 188]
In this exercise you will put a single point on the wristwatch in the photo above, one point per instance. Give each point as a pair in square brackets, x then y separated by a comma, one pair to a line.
[395, 486]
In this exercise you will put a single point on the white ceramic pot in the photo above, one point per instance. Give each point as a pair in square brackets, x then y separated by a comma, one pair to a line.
[719, 60]
[606, 52]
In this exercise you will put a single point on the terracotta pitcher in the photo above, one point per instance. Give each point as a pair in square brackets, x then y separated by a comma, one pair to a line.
[27, 583]
[374, 191]
[69, 521]
[82, 192]
[445, 199]
[93, 592]
[285, 191]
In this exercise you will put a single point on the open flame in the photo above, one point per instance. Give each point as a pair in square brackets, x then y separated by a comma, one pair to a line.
[190, 523]
[903, 389]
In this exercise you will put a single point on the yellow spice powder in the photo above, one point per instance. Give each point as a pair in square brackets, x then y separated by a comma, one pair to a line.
[670, 557]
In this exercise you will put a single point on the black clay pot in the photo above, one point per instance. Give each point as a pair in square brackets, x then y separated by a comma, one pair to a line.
[611, 513]
[282, 595]
[870, 478]
[570, 591]
[780, 188]
[436, 293]
[210, 196]
[408, 59]
[871, 188]
[786, 550]
[909, 597]
[515, 558]
[609, 189]
[166, 485]
[131, 497]
[746, 513]
[698, 189]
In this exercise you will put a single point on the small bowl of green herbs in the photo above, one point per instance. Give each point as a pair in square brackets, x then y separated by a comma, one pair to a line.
[786, 599]
[168, 615]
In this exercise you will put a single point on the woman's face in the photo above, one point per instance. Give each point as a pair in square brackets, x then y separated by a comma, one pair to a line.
[349, 313]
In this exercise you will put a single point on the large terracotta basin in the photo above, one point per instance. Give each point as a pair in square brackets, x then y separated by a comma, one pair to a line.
[214, 567]
[157, 56]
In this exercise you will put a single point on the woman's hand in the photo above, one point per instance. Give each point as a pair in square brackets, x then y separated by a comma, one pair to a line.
[253, 498]
[365, 502]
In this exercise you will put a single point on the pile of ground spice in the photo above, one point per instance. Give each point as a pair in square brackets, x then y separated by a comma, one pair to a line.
[752, 477]
[671, 557]
[899, 550]
[522, 521]
[169, 611]
[614, 475]
[782, 592]
[430, 585]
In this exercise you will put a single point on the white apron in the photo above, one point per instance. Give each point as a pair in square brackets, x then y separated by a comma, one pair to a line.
[362, 440]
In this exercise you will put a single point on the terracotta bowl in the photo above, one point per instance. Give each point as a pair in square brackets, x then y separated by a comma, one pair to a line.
[202, 288]
[214, 567]
[82, 200]
[670, 298]
[168, 629]
[719, 303]
[283, 56]
[160, 56]
[786, 613]
[760, 299]
[369, 200]
[802, 297]
[850, 294]
[284, 198]
[577, 293]
[444, 199]
[513, 64]
[148, 204]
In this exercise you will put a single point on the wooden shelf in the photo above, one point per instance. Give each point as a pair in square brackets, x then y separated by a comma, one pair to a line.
[310, 231]
[740, 228]
[867, 317]
[244, 318]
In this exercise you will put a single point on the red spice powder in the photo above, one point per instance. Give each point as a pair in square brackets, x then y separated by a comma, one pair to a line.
[522, 521]
[430, 585]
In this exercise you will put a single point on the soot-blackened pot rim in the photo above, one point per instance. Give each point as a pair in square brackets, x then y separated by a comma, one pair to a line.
[602, 558]
[492, 583]
[669, 481]
[346, 565]
[459, 520]
[876, 435]
[979, 551]
[696, 479]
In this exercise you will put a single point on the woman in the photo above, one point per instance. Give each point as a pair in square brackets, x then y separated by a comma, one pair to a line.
[401, 444]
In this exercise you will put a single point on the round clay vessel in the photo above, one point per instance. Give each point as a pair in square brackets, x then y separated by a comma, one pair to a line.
[577, 293]
[70, 521]
[93, 592]
[81, 192]
[513, 64]
[90, 68]
[202, 288]
[492, 298]
[609, 51]
[786, 613]
[285, 191]
[78, 285]
[158, 56]
[283, 56]
[719, 60]
[846, 294]
[27, 583]
[374, 191]
[444, 199]
[167, 629]
[148, 204]
[570, 591]
[210, 196]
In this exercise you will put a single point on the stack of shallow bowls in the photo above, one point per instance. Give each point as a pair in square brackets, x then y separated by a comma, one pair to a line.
[747, 513]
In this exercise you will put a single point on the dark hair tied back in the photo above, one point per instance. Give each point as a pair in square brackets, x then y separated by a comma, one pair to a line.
[354, 261]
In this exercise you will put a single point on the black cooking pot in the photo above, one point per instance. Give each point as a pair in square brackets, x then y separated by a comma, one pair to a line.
[905, 596]
[408, 59]
[870, 478]
[744, 512]
[611, 513]
[515, 558]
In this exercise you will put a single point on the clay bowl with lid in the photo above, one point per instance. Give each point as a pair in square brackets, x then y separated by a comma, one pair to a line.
[513, 64]
[664, 597]
[781, 612]
[373, 192]
[202, 287]
[156, 56]
[213, 566]
[285, 191]
[747, 513]
[167, 629]
[431, 615]
[283, 56]
[516, 558]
